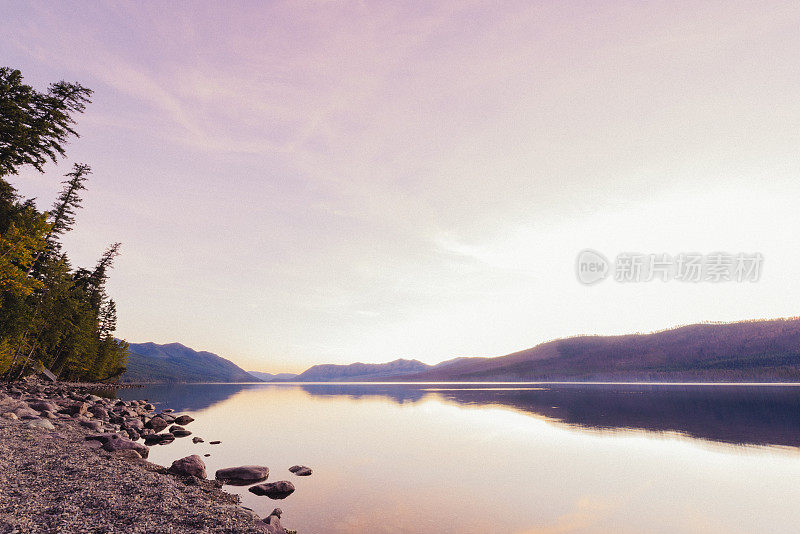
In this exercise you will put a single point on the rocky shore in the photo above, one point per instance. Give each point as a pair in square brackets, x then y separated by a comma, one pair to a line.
[72, 461]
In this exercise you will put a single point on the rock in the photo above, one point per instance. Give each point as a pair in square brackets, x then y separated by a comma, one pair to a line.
[181, 433]
[99, 411]
[114, 442]
[10, 416]
[77, 409]
[273, 522]
[91, 425]
[168, 410]
[159, 439]
[206, 455]
[149, 407]
[191, 466]
[214, 442]
[42, 424]
[183, 420]
[197, 440]
[243, 475]
[44, 406]
[133, 424]
[157, 423]
[26, 413]
[274, 490]
[301, 470]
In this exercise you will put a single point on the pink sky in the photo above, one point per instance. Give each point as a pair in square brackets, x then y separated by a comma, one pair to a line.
[309, 182]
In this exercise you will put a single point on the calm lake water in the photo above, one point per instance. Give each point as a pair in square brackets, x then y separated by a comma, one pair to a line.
[505, 458]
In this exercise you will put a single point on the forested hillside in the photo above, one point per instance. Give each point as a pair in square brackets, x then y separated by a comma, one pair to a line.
[173, 362]
[51, 313]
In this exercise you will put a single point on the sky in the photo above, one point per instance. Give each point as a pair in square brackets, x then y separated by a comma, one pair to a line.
[329, 182]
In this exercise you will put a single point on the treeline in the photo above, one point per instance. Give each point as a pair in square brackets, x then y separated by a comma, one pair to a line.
[51, 314]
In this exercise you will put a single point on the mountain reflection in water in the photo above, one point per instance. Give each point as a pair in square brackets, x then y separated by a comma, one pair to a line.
[738, 414]
[748, 415]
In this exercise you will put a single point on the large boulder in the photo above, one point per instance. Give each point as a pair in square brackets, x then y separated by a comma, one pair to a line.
[242, 475]
[274, 490]
[157, 423]
[190, 466]
[115, 442]
[183, 420]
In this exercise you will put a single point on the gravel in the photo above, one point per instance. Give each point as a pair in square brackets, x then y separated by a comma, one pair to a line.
[56, 481]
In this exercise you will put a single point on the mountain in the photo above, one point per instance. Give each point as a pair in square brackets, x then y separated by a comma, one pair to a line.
[767, 350]
[361, 371]
[150, 362]
[269, 377]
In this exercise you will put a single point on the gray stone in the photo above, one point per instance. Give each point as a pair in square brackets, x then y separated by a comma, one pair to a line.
[274, 490]
[189, 466]
[115, 442]
[197, 440]
[99, 411]
[157, 423]
[44, 406]
[91, 425]
[77, 409]
[26, 413]
[243, 475]
[41, 424]
[301, 470]
[183, 420]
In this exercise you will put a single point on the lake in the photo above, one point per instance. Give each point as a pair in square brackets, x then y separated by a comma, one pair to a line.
[506, 458]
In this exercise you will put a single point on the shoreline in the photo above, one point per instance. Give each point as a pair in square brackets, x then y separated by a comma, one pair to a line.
[56, 478]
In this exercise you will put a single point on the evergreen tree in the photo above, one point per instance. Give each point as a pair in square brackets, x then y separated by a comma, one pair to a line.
[50, 313]
[35, 126]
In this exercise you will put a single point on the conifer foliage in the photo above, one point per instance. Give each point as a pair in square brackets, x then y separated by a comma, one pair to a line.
[51, 314]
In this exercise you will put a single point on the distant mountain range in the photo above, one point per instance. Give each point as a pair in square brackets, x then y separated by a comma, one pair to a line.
[269, 377]
[766, 350]
[153, 363]
[361, 371]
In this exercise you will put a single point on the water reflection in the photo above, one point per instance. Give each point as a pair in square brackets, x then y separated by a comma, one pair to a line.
[468, 459]
[752, 415]
[185, 397]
